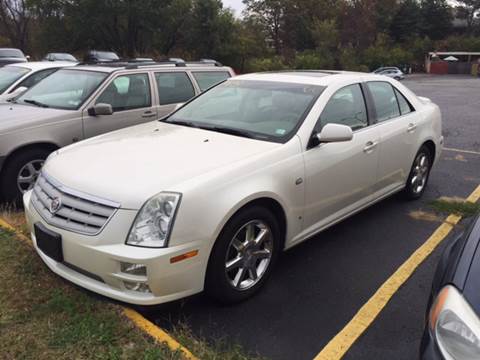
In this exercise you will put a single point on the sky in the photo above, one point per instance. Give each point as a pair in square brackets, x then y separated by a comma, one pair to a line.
[236, 5]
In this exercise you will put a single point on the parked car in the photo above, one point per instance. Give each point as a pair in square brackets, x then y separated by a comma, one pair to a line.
[60, 57]
[17, 78]
[452, 330]
[83, 101]
[95, 56]
[11, 56]
[395, 74]
[381, 69]
[208, 197]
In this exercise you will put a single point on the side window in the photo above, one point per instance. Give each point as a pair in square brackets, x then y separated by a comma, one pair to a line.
[405, 107]
[127, 92]
[384, 100]
[345, 107]
[35, 78]
[174, 87]
[206, 79]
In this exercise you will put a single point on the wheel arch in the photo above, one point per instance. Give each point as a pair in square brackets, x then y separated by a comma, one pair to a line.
[430, 145]
[265, 200]
[44, 145]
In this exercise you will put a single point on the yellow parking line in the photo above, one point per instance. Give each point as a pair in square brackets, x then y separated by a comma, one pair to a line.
[157, 333]
[462, 151]
[7, 226]
[148, 327]
[341, 343]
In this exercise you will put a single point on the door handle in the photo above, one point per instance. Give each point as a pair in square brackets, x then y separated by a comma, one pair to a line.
[148, 114]
[411, 128]
[369, 146]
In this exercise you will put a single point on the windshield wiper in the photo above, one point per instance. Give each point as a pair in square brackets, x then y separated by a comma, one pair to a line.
[181, 122]
[230, 131]
[36, 103]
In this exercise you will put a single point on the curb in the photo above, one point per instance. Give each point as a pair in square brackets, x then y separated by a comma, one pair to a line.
[136, 318]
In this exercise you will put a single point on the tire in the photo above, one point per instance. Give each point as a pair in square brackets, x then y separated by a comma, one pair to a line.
[9, 187]
[413, 189]
[220, 283]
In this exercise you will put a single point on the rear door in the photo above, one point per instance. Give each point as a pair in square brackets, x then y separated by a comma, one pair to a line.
[396, 122]
[173, 88]
[131, 98]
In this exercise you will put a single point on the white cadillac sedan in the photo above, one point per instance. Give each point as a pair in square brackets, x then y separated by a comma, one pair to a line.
[208, 197]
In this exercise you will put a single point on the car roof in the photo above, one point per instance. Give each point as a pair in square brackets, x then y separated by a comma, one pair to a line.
[317, 77]
[119, 66]
[40, 65]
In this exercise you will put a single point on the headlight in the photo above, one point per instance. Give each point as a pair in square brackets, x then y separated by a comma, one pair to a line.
[154, 222]
[455, 325]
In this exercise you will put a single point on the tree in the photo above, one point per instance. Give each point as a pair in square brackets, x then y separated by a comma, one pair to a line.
[358, 23]
[468, 10]
[436, 18]
[14, 22]
[271, 15]
[407, 21]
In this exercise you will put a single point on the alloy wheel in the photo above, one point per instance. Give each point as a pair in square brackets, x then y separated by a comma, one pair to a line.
[28, 174]
[421, 169]
[249, 255]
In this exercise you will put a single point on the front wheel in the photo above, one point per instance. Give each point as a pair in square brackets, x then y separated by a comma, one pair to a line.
[243, 256]
[21, 173]
[419, 174]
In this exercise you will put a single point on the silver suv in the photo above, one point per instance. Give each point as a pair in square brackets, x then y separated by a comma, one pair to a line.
[77, 103]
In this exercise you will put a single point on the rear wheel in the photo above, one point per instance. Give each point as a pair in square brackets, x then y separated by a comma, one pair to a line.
[21, 173]
[419, 174]
[244, 255]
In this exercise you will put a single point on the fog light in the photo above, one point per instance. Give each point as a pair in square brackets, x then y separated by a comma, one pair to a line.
[137, 286]
[133, 269]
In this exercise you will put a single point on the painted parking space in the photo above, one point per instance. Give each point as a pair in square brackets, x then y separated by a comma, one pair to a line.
[320, 285]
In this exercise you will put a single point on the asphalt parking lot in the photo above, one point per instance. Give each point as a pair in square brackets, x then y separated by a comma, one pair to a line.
[320, 285]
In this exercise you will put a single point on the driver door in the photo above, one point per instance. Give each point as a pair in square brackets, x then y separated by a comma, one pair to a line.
[340, 177]
[131, 98]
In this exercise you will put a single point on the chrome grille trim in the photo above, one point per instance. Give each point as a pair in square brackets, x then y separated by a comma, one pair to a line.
[79, 212]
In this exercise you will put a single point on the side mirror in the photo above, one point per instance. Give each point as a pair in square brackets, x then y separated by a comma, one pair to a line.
[27, 57]
[100, 109]
[17, 92]
[335, 133]
[331, 133]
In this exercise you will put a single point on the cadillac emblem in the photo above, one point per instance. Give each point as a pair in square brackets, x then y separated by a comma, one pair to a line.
[55, 205]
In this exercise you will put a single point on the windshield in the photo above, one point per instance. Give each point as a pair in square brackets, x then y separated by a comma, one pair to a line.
[264, 110]
[11, 53]
[64, 57]
[64, 89]
[10, 74]
[107, 55]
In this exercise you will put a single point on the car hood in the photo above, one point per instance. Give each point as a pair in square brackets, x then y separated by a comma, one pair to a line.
[18, 116]
[131, 165]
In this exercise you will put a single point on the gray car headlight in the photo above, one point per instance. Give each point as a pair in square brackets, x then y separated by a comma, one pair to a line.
[154, 221]
[455, 325]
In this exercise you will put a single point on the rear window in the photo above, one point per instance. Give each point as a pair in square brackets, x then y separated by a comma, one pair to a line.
[11, 53]
[207, 79]
[10, 74]
[174, 87]
[384, 100]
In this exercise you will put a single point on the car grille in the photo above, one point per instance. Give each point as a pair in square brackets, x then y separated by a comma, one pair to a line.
[69, 209]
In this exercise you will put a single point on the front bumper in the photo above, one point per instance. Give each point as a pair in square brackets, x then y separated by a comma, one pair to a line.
[94, 262]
